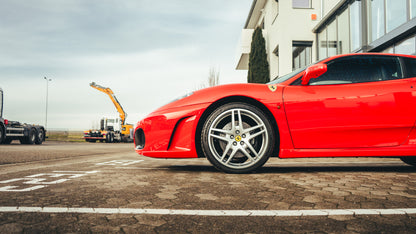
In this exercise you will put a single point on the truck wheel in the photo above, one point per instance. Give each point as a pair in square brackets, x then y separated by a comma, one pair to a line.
[39, 137]
[1, 134]
[29, 140]
[109, 138]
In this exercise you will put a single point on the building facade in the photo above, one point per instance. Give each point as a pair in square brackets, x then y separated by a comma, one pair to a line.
[299, 32]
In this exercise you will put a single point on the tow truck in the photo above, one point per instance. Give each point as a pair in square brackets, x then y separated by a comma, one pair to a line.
[14, 130]
[111, 129]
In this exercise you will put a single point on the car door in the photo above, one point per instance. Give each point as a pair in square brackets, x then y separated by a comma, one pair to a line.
[361, 101]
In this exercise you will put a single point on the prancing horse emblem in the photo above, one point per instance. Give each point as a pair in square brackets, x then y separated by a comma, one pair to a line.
[273, 87]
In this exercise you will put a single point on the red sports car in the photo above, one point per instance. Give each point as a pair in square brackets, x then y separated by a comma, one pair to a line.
[346, 105]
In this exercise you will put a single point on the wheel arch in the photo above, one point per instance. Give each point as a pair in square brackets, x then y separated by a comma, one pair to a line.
[231, 99]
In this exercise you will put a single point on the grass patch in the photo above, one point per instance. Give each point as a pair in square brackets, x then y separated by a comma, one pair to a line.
[69, 136]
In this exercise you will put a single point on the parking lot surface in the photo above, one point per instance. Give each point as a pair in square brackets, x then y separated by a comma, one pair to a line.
[99, 188]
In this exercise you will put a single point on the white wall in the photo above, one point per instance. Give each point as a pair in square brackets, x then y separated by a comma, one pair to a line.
[290, 25]
[283, 25]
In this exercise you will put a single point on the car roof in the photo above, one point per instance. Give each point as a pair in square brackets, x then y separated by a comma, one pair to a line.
[366, 54]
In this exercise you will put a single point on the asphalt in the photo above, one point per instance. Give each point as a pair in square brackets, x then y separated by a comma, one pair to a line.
[103, 179]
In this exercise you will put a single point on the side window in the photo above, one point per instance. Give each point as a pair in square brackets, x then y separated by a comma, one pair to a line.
[360, 69]
[410, 66]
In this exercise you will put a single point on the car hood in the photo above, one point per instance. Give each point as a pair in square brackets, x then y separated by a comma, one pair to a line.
[260, 92]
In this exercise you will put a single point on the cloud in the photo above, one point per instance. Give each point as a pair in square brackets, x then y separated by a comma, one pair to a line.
[148, 52]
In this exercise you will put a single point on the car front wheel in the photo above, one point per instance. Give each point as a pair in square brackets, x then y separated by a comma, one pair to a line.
[237, 138]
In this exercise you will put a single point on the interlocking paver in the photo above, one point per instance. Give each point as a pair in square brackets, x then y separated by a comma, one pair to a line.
[194, 184]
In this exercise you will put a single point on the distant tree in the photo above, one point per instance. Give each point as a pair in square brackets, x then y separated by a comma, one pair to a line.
[213, 79]
[258, 66]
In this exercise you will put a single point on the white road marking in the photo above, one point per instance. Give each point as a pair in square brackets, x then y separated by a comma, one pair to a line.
[244, 213]
[13, 188]
[119, 162]
[41, 182]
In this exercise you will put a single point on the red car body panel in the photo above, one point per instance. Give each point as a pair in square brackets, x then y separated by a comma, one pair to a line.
[361, 119]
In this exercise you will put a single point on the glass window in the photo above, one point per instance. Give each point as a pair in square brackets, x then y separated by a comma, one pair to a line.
[376, 19]
[332, 38]
[301, 4]
[296, 64]
[396, 13]
[343, 33]
[410, 66]
[412, 9]
[302, 58]
[355, 25]
[360, 69]
[407, 46]
[389, 50]
[308, 55]
[301, 54]
[322, 44]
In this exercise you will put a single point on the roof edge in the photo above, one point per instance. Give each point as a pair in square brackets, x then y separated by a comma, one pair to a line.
[253, 5]
[329, 15]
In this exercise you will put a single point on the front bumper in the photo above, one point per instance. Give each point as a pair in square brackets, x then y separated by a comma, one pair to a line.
[169, 134]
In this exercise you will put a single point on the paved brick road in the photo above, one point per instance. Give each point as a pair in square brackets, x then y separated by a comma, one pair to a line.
[107, 176]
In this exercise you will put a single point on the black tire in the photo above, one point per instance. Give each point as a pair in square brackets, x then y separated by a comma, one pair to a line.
[109, 138]
[40, 136]
[235, 146]
[7, 141]
[411, 160]
[30, 139]
[2, 135]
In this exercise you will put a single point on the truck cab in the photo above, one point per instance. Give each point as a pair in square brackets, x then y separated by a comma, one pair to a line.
[14, 130]
[110, 124]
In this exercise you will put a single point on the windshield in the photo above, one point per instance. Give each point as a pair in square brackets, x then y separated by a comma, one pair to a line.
[286, 77]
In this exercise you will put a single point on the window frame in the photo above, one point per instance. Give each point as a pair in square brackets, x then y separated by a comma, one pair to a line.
[400, 63]
[310, 5]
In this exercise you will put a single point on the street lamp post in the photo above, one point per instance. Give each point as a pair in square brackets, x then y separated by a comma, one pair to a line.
[46, 115]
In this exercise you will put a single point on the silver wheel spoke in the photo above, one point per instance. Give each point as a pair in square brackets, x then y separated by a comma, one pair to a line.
[247, 154]
[221, 130]
[232, 120]
[253, 150]
[227, 148]
[240, 121]
[237, 138]
[257, 133]
[223, 138]
[231, 155]
[253, 128]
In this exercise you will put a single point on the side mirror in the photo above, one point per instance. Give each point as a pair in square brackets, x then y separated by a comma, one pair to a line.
[313, 72]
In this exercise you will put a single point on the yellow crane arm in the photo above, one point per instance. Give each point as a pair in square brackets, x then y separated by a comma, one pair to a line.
[109, 92]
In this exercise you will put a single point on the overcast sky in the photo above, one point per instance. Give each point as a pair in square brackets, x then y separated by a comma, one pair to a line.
[148, 52]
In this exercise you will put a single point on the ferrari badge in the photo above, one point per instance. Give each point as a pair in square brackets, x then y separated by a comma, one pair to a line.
[273, 87]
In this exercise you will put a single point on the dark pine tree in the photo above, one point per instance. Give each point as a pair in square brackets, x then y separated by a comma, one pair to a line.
[258, 66]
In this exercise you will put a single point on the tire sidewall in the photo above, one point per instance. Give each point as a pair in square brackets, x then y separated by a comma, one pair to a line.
[31, 139]
[205, 130]
[2, 133]
[40, 136]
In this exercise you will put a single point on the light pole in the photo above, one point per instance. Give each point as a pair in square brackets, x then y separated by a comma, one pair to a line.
[46, 116]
